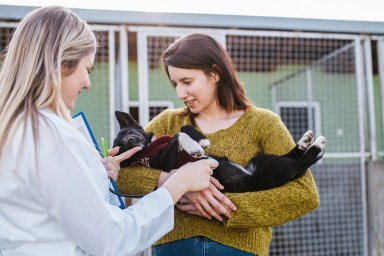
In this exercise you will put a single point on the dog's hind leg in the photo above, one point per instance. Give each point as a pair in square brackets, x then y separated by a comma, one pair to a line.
[320, 142]
[273, 171]
[301, 146]
[306, 140]
[314, 152]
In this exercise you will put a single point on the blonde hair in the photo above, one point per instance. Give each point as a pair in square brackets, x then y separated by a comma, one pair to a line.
[47, 44]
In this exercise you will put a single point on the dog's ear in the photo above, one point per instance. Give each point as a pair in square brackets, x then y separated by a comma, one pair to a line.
[148, 137]
[124, 119]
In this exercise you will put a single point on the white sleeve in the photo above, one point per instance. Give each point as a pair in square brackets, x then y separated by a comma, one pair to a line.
[75, 195]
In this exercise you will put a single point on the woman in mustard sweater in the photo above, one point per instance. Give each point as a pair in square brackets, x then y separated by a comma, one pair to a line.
[209, 222]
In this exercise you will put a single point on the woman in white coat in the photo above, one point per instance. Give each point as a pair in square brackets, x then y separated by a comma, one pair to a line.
[54, 185]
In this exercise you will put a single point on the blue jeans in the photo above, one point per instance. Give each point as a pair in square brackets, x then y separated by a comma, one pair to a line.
[197, 246]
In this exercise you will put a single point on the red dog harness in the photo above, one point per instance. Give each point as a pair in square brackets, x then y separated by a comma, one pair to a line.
[156, 147]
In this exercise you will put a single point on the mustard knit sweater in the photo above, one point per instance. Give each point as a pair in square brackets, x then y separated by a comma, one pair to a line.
[258, 130]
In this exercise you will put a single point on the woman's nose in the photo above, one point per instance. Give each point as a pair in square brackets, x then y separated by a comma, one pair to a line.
[181, 93]
[87, 85]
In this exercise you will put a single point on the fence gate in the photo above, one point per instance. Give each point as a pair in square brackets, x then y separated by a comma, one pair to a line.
[313, 81]
[329, 102]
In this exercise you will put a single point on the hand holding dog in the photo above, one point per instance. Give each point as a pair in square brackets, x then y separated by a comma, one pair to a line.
[193, 176]
[207, 203]
[112, 162]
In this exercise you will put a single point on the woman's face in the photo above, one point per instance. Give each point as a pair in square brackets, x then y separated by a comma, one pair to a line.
[195, 88]
[78, 80]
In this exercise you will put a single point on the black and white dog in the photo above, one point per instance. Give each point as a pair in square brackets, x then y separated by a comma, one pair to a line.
[262, 171]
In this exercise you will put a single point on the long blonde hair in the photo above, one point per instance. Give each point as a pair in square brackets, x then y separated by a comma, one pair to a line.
[47, 44]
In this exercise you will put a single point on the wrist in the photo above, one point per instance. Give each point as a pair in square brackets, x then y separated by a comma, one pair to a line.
[164, 176]
[176, 187]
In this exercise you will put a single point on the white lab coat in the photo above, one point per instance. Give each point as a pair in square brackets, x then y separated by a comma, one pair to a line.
[54, 199]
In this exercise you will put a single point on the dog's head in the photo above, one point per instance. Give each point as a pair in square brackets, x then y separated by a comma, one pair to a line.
[131, 133]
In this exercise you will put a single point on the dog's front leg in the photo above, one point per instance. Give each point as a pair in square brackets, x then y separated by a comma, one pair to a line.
[192, 147]
[167, 158]
[196, 135]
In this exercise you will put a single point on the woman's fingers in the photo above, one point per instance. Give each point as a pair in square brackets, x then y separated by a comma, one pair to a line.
[127, 154]
[212, 163]
[191, 209]
[113, 151]
[112, 162]
[207, 207]
[111, 166]
[216, 183]
[221, 202]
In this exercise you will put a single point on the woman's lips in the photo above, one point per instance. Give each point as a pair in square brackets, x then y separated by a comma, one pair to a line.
[189, 102]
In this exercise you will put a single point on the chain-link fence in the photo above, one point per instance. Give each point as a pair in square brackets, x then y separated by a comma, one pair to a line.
[313, 81]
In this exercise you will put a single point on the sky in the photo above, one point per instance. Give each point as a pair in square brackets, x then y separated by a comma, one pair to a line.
[359, 10]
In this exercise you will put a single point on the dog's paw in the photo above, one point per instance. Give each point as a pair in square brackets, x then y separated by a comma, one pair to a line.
[205, 143]
[306, 140]
[320, 142]
[190, 146]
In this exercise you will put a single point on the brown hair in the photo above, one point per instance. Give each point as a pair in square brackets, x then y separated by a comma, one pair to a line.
[200, 51]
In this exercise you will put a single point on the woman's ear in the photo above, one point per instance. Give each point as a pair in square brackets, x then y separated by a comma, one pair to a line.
[215, 73]
[216, 76]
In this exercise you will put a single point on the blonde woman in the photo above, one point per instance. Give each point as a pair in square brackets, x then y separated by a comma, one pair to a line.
[54, 191]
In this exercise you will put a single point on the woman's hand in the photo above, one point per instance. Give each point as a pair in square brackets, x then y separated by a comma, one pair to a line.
[112, 162]
[207, 203]
[190, 177]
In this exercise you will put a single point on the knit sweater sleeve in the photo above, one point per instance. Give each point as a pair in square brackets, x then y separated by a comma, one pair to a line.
[275, 206]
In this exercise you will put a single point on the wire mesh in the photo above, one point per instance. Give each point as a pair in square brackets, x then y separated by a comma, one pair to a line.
[311, 83]
[315, 88]
[307, 73]
[159, 86]
[95, 102]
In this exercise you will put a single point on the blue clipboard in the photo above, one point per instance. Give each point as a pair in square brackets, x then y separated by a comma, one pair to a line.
[83, 126]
